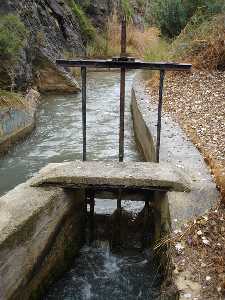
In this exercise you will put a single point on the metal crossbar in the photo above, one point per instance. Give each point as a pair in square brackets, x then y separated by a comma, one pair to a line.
[123, 63]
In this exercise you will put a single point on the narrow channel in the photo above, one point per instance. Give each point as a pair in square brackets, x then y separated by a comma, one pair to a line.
[97, 273]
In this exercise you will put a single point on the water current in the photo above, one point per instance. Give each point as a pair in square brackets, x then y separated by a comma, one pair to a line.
[97, 273]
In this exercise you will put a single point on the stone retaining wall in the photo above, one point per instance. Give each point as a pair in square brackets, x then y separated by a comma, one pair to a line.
[41, 230]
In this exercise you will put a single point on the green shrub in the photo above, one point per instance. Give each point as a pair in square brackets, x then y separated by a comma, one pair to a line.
[170, 16]
[12, 37]
[173, 15]
[127, 9]
[85, 24]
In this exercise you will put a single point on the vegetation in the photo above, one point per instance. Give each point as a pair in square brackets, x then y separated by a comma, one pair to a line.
[108, 44]
[12, 39]
[8, 99]
[127, 9]
[173, 15]
[88, 30]
[201, 41]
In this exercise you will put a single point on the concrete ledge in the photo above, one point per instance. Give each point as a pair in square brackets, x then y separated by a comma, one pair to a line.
[18, 122]
[142, 175]
[175, 149]
[41, 230]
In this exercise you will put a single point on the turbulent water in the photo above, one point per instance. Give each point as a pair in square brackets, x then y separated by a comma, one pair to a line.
[100, 275]
[97, 273]
[58, 134]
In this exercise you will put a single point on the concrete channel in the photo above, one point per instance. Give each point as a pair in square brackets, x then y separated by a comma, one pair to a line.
[43, 229]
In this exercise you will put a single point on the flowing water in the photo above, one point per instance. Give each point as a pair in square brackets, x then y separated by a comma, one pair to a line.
[97, 273]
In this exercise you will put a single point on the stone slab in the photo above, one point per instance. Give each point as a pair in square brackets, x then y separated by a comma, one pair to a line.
[113, 174]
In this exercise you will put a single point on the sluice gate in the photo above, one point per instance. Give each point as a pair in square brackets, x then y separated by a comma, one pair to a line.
[146, 176]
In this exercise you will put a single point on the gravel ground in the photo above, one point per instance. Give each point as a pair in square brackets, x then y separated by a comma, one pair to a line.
[198, 252]
[197, 102]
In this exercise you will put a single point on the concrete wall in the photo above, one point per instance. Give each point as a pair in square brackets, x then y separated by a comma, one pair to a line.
[143, 136]
[17, 122]
[41, 230]
[175, 149]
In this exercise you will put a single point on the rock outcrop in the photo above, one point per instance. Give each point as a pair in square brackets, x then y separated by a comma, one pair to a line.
[53, 31]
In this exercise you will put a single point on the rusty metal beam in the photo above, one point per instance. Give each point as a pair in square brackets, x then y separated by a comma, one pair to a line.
[127, 64]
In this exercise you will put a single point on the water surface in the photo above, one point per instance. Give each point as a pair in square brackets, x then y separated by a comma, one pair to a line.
[97, 273]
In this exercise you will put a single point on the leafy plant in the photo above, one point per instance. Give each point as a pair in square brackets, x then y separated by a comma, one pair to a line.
[173, 15]
[170, 16]
[87, 28]
[13, 36]
[127, 9]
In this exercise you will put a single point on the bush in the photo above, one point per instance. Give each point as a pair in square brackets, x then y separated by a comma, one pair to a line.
[173, 15]
[127, 9]
[12, 37]
[170, 16]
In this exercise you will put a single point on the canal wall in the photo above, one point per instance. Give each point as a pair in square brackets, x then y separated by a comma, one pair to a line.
[41, 230]
[16, 121]
[178, 150]
[175, 149]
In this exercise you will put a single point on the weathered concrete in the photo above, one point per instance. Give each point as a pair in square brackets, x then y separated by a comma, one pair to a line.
[41, 229]
[17, 122]
[175, 149]
[113, 174]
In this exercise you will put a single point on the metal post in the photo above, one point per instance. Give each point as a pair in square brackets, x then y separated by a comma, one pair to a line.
[124, 37]
[122, 89]
[84, 112]
[159, 124]
[122, 113]
[92, 218]
[122, 99]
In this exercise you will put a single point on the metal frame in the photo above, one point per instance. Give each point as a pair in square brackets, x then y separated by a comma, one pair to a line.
[123, 64]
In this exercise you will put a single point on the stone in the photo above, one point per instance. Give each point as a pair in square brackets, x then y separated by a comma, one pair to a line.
[114, 174]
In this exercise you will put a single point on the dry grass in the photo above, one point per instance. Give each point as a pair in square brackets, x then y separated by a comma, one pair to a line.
[203, 45]
[138, 42]
[199, 249]
[8, 99]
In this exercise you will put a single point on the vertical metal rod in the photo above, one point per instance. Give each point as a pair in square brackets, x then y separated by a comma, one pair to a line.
[123, 37]
[92, 217]
[122, 113]
[119, 206]
[159, 123]
[84, 112]
[122, 99]
[122, 88]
